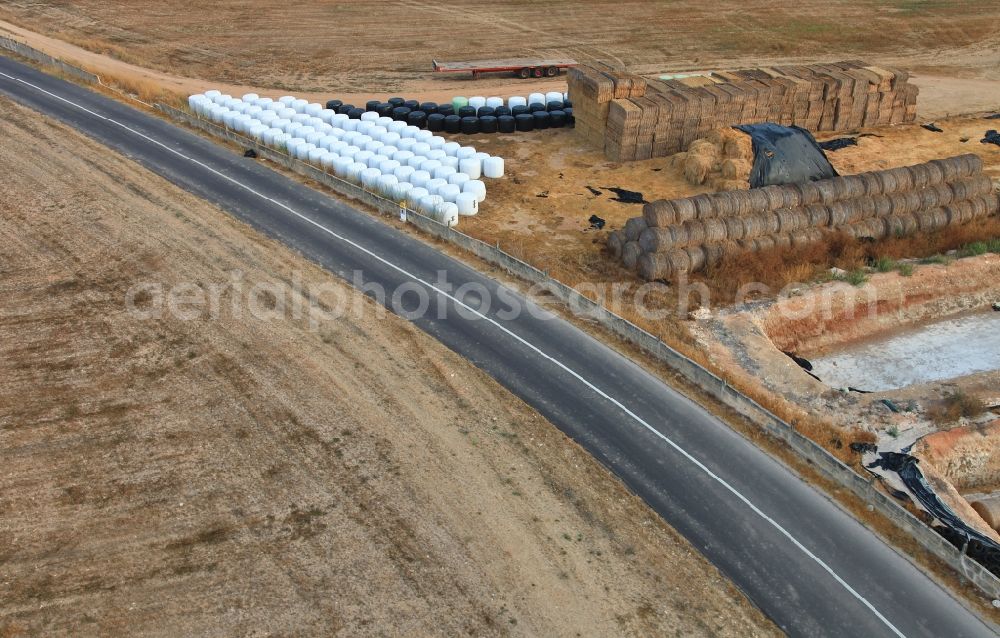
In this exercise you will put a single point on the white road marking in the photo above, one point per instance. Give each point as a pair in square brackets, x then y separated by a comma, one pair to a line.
[526, 343]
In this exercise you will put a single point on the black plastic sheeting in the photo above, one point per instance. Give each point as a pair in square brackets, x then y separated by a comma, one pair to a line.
[992, 137]
[785, 155]
[625, 196]
[838, 143]
[983, 549]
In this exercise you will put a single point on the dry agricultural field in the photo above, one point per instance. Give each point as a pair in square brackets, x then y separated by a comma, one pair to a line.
[387, 46]
[238, 476]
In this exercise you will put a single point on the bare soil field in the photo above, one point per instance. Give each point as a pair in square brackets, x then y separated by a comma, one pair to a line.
[387, 46]
[237, 476]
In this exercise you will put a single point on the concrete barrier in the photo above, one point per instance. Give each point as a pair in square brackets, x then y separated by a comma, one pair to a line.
[34, 54]
[825, 463]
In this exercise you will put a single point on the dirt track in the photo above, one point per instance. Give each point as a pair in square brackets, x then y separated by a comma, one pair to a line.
[236, 475]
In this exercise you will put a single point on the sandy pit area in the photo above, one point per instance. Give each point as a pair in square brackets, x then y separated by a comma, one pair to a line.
[945, 349]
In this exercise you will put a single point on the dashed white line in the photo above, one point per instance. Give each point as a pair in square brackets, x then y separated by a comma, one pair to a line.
[805, 550]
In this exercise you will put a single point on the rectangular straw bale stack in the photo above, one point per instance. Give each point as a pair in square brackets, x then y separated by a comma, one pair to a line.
[685, 235]
[675, 112]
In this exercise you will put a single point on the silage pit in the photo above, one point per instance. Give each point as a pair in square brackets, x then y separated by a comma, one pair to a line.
[945, 349]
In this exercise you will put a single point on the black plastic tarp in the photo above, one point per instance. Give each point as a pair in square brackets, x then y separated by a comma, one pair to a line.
[785, 155]
[977, 545]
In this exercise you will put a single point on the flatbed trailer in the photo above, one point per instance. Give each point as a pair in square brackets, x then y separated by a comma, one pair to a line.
[522, 67]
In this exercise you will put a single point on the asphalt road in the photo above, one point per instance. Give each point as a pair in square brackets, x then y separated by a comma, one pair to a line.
[808, 565]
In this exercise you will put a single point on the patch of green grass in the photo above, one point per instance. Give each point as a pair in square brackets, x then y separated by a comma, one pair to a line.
[936, 259]
[993, 246]
[974, 249]
[893, 432]
[905, 269]
[855, 277]
[885, 264]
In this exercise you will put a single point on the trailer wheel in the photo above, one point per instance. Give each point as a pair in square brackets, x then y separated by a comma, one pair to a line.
[538, 72]
[552, 71]
[525, 73]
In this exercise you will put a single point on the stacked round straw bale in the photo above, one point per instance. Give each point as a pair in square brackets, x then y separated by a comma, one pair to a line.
[722, 160]
[686, 235]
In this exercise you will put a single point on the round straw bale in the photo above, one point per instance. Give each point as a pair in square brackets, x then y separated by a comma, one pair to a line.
[888, 181]
[808, 193]
[839, 187]
[703, 146]
[929, 197]
[960, 189]
[696, 257]
[921, 176]
[630, 254]
[724, 204]
[685, 209]
[739, 145]
[818, 214]
[615, 244]
[914, 201]
[792, 198]
[870, 228]
[697, 167]
[853, 186]
[695, 232]
[954, 213]
[950, 168]
[981, 185]
[849, 209]
[983, 205]
[634, 227]
[991, 203]
[715, 252]
[909, 225]
[972, 164]
[827, 192]
[782, 240]
[680, 260]
[715, 230]
[872, 183]
[735, 228]
[752, 227]
[764, 243]
[725, 185]
[805, 236]
[839, 213]
[965, 211]
[716, 137]
[929, 220]
[770, 223]
[741, 203]
[738, 169]
[653, 266]
[659, 213]
[894, 226]
[876, 206]
[654, 240]
[945, 195]
[935, 175]
[758, 200]
[677, 160]
[789, 220]
[903, 177]
[775, 196]
[704, 207]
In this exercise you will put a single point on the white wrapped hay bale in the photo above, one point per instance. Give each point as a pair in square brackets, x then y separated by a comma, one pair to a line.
[468, 204]
[493, 167]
